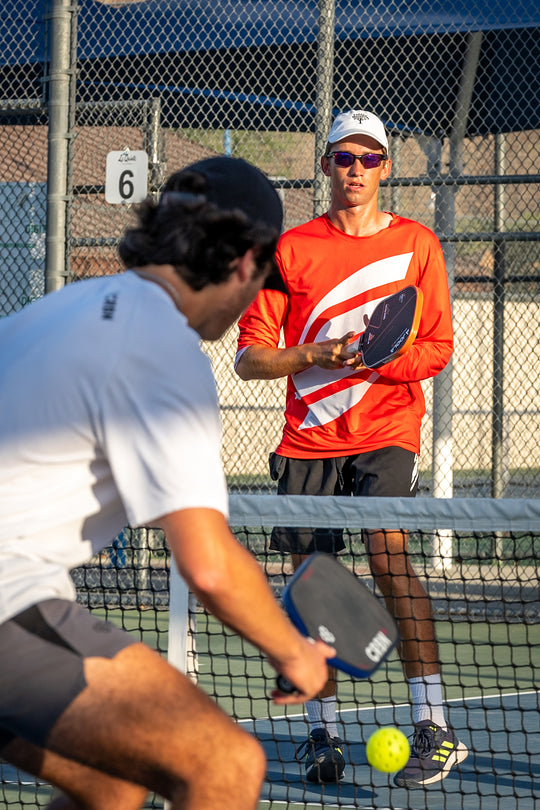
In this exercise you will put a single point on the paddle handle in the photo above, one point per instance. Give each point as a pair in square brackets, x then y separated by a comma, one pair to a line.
[285, 685]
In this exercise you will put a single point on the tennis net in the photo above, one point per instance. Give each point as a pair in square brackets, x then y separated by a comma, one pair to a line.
[478, 560]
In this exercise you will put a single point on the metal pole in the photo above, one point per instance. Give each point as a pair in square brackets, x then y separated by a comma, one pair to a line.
[62, 20]
[324, 96]
[498, 472]
[445, 216]
[442, 448]
[442, 469]
[396, 145]
[463, 104]
[445, 225]
[154, 146]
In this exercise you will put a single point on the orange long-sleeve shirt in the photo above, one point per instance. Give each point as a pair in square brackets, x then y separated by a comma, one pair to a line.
[333, 280]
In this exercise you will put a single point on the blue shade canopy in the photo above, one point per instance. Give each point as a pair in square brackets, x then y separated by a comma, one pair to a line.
[207, 25]
[252, 65]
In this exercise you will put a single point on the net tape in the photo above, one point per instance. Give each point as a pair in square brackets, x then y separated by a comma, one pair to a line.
[459, 514]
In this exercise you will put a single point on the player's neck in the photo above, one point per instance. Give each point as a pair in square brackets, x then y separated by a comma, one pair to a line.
[359, 220]
[158, 274]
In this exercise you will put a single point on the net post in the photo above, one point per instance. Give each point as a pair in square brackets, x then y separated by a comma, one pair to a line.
[178, 625]
[442, 549]
[178, 619]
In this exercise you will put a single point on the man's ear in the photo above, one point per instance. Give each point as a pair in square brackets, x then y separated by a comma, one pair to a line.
[325, 166]
[245, 266]
[387, 168]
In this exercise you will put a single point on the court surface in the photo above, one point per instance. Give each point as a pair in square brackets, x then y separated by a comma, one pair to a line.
[501, 729]
[499, 780]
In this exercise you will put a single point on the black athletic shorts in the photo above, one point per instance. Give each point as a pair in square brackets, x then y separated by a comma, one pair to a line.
[388, 472]
[42, 652]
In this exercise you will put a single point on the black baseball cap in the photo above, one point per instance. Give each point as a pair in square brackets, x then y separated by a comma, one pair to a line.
[235, 184]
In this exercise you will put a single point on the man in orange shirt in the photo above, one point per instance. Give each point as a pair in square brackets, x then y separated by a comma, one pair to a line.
[350, 430]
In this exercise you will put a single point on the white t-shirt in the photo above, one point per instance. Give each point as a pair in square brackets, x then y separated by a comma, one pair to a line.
[109, 416]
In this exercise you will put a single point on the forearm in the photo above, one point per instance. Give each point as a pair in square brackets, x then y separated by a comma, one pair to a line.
[265, 363]
[229, 582]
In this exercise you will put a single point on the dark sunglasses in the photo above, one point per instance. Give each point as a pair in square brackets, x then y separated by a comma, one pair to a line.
[346, 159]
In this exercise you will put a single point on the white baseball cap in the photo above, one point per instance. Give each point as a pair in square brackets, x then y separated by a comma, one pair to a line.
[358, 122]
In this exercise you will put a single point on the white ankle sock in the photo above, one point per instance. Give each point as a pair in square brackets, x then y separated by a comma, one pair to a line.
[322, 714]
[426, 697]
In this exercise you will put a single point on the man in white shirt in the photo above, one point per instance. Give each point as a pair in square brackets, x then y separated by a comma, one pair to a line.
[110, 416]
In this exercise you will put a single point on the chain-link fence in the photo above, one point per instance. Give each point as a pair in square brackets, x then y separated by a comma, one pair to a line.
[458, 88]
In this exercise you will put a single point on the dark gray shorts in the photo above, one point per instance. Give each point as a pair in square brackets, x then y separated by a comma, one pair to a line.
[42, 652]
[388, 472]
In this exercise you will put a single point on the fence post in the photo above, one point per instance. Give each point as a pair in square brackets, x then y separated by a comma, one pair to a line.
[62, 61]
[153, 143]
[323, 101]
[442, 450]
[498, 462]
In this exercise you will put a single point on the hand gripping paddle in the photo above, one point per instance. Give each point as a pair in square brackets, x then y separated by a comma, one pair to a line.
[325, 600]
[392, 328]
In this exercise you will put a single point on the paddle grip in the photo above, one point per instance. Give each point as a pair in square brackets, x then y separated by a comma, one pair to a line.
[285, 686]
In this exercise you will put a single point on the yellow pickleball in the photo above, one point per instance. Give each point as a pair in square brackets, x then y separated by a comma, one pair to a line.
[388, 750]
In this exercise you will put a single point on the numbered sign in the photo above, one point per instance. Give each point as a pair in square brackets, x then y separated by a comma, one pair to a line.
[126, 179]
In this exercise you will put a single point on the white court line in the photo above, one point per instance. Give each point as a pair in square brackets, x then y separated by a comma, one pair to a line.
[23, 781]
[377, 707]
[338, 806]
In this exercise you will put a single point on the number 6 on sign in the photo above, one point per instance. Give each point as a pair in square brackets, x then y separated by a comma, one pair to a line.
[126, 178]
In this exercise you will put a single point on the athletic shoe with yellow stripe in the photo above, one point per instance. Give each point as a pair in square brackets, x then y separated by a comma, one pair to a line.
[434, 751]
[322, 756]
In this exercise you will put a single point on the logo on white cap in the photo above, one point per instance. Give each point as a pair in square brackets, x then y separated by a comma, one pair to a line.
[358, 122]
[360, 116]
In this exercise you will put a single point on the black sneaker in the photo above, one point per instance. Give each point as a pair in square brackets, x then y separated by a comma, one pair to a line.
[323, 757]
[434, 751]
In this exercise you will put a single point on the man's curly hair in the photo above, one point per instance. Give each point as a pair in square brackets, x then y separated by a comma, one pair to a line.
[193, 235]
